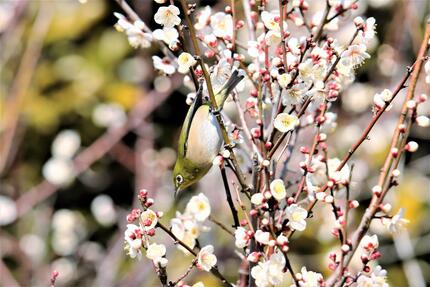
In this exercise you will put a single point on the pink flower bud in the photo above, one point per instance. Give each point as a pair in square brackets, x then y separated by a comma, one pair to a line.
[151, 232]
[149, 202]
[411, 104]
[268, 145]
[395, 152]
[411, 146]
[290, 200]
[353, 204]
[304, 149]
[377, 189]
[130, 218]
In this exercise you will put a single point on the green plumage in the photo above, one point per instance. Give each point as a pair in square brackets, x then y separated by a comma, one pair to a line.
[200, 139]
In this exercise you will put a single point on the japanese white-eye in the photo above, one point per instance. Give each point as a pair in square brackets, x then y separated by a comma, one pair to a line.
[200, 139]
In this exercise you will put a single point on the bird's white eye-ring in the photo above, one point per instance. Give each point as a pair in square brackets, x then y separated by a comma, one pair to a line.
[179, 179]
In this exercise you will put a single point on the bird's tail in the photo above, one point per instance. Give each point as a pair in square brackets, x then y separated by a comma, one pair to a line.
[229, 86]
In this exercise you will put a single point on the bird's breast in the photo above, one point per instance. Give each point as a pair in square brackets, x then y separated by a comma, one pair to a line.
[204, 139]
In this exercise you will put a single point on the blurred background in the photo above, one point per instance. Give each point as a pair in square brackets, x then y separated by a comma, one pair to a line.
[86, 122]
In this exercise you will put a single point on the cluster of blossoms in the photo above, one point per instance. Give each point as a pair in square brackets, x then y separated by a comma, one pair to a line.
[293, 80]
[185, 228]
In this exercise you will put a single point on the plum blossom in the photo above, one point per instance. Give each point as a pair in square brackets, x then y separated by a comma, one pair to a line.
[270, 272]
[163, 65]
[257, 198]
[241, 237]
[396, 223]
[59, 171]
[136, 37]
[148, 219]
[133, 241]
[296, 217]
[378, 278]
[8, 210]
[269, 20]
[427, 71]
[285, 122]
[155, 251]
[277, 188]
[355, 55]
[222, 24]
[295, 94]
[369, 243]
[206, 259]
[310, 278]
[284, 79]
[167, 35]
[66, 144]
[199, 207]
[203, 17]
[185, 61]
[167, 16]
[262, 237]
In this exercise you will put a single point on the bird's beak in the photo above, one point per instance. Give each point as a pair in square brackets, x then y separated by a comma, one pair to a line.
[176, 193]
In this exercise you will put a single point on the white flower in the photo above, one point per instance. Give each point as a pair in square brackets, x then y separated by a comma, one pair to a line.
[148, 219]
[185, 61]
[294, 95]
[198, 284]
[160, 1]
[133, 240]
[396, 223]
[167, 35]
[294, 46]
[155, 251]
[59, 171]
[109, 115]
[296, 217]
[8, 210]
[312, 73]
[167, 16]
[285, 122]
[337, 176]
[427, 71]
[368, 32]
[103, 210]
[222, 24]
[161, 261]
[203, 17]
[242, 238]
[262, 237]
[310, 278]
[378, 278]
[355, 55]
[66, 144]
[271, 272]
[284, 79]
[136, 37]
[164, 65]
[206, 259]
[270, 20]
[257, 198]
[329, 124]
[369, 243]
[199, 207]
[273, 38]
[277, 188]
[422, 121]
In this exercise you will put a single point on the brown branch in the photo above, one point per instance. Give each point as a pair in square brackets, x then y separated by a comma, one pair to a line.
[377, 200]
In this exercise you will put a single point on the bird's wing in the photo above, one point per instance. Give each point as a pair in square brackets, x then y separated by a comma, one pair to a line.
[198, 101]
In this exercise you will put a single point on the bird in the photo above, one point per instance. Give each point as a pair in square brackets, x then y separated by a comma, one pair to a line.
[200, 139]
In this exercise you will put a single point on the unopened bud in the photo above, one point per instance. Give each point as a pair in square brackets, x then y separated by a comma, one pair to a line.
[423, 121]
[354, 204]
[411, 104]
[411, 146]
[377, 189]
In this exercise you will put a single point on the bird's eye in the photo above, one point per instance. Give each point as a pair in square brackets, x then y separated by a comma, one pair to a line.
[179, 179]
